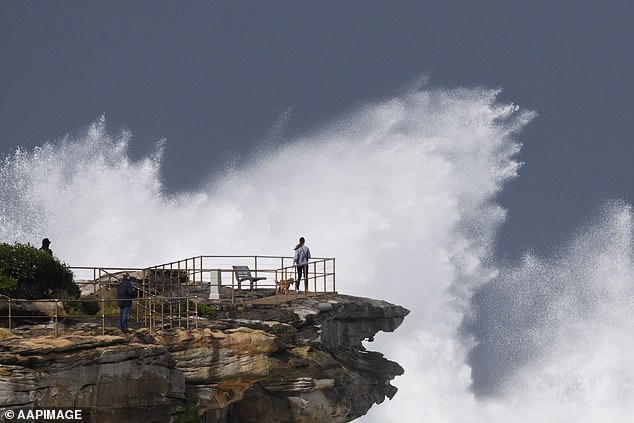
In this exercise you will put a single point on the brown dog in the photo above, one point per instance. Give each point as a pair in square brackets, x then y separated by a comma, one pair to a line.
[281, 287]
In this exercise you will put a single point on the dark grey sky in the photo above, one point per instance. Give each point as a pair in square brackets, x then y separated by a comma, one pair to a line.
[213, 77]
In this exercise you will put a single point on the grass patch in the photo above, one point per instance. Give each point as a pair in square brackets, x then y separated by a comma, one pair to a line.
[86, 306]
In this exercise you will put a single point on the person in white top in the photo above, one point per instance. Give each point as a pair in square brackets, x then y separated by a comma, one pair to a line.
[302, 255]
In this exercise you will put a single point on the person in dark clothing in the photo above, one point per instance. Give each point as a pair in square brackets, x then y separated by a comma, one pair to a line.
[45, 243]
[125, 293]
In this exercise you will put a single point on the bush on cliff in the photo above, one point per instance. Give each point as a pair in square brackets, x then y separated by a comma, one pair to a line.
[28, 272]
[204, 310]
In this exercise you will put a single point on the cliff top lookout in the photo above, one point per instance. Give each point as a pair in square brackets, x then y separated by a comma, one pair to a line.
[174, 294]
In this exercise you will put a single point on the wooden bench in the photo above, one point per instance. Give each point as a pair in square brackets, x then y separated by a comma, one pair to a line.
[244, 274]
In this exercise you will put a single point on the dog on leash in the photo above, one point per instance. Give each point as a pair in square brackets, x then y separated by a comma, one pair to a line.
[281, 287]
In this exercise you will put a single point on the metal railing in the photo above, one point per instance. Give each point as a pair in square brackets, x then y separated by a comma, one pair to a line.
[170, 293]
[320, 271]
[201, 271]
[151, 313]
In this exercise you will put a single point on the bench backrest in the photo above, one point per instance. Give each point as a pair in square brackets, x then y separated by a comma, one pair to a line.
[242, 272]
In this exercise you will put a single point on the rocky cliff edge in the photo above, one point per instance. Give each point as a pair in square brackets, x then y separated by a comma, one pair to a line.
[303, 361]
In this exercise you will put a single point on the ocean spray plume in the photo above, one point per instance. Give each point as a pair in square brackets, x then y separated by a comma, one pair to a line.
[557, 331]
[67, 190]
[475, 137]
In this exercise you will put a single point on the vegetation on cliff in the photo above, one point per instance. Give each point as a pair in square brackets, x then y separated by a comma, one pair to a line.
[28, 272]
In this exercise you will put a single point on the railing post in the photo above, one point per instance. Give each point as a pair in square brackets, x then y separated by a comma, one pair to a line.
[56, 319]
[256, 271]
[151, 304]
[334, 287]
[178, 278]
[94, 283]
[145, 310]
[171, 277]
[10, 324]
[196, 313]
[325, 287]
[142, 294]
[276, 283]
[187, 315]
[146, 303]
[193, 270]
[163, 278]
[315, 275]
[103, 316]
[233, 278]
[162, 314]
[286, 279]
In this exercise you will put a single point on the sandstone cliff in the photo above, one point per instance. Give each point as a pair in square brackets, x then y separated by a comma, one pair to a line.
[302, 362]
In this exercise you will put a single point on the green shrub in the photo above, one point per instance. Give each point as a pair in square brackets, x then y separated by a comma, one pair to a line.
[205, 310]
[190, 415]
[28, 272]
[7, 285]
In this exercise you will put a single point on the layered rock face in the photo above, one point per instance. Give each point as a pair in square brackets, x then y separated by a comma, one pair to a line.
[300, 362]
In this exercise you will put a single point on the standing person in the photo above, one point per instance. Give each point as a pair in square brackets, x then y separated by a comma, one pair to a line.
[125, 293]
[302, 255]
[45, 243]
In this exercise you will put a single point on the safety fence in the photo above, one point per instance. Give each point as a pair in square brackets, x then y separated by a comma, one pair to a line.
[103, 313]
[216, 273]
[219, 272]
[174, 294]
